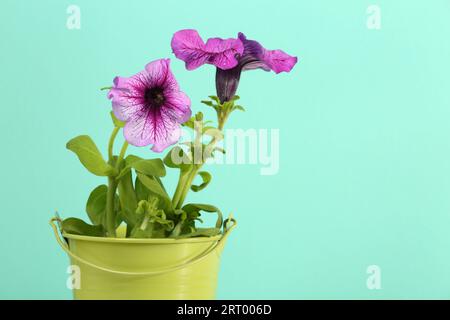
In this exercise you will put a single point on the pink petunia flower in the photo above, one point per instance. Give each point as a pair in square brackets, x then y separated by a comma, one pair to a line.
[151, 105]
[230, 56]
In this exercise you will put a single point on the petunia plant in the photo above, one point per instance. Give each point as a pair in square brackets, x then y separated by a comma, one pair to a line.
[150, 109]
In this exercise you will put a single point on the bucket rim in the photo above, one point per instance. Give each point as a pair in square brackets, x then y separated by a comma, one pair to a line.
[65, 245]
[142, 240]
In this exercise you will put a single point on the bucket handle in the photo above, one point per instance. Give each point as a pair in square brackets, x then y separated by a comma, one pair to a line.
[218, 245]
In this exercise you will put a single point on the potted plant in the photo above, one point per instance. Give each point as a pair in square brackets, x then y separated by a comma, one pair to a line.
[141, 242]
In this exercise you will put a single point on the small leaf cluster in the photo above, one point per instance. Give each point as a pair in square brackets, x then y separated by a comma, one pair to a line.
[224, 109]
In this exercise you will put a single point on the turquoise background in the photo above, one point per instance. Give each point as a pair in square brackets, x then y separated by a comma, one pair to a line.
[364, 151]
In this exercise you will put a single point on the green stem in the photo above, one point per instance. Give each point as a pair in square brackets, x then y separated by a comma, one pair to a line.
[179, 189]
[121, 154]
[186, 182]
[186, 179]
[176, 231]
[110, 212]
[111, 142]
[112, 184]
[145, 222]
[187, 185]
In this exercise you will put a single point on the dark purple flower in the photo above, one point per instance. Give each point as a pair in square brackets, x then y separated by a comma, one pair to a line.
[152, 106]
[239, 55]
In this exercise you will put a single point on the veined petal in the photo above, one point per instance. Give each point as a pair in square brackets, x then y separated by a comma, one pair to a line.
[123, 111]
[224, 52]
[172, 138]
[118, 83]
[140, 131]
[151, 127]
[124, 101]
[279, 61]
[187, 45]
[158, 74]
[178, 105]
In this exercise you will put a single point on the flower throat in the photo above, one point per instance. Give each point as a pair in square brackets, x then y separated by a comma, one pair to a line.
[154, 97]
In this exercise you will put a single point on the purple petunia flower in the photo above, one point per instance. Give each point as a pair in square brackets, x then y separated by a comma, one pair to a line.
[151, 105]
[230, 56]
[189, 47]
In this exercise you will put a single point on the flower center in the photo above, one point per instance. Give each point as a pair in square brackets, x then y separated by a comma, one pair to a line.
[154, 96]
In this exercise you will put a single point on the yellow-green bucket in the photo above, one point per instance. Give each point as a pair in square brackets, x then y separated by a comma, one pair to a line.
[124, 268]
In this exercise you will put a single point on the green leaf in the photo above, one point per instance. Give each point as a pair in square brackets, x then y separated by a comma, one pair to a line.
[119, 214]
[189, 123]
[149, 167]
[221, 150]
[117, 122]
[127, 198]
[228, 106]
[213, 132]
[153, 222]
[130, 159]
[179, 155]
[156, 189]
[79, 227]
[237, 107]
[152, 185]
[180, 218]
[96, 204]
[208, 103]
[197, 207]
[126, 165]
[142, 193]
[206, 177]
[90, 156]
[208, 151]
[211, 104]
[215, 98]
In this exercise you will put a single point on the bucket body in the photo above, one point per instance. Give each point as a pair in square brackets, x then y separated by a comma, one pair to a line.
[122, 268]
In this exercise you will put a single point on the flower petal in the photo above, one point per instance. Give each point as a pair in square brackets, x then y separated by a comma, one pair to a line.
[140, 130]
[153, 127]
[178, 105]
[224, 52]
[173, 138]
[187, 45]
[257, 57]
[158, 74]
[279, 61]
[253, 55]
[123, 98]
